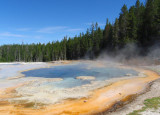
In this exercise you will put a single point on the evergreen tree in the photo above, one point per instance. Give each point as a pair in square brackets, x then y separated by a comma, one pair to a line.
[115, 34]
[132, 24]
[149, 24]
[106, 34]
[123, 25]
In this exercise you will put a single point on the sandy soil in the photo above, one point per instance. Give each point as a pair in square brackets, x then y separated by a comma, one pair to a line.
[101, 99]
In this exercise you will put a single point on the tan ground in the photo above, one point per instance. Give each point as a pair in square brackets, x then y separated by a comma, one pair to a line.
[101, 99]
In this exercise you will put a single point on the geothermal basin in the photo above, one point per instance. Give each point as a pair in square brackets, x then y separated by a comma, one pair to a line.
[78, 74]
[80, 87]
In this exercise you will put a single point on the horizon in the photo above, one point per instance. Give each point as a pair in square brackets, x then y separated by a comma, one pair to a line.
[43, 22]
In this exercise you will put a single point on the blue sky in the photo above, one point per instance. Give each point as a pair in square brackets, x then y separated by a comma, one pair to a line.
[33, 21]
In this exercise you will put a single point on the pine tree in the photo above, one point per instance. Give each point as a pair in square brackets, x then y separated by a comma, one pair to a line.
[132, 25]
[149, 25]
[123, 25]
[116, 34]
[106, 34]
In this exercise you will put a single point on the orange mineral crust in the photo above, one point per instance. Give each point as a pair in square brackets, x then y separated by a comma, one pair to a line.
[101, 99]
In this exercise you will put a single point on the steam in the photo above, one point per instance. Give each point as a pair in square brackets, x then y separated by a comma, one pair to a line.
[131, 54]
[154, 51]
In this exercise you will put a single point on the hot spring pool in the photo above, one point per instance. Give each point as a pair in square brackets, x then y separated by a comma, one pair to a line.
[71, 71]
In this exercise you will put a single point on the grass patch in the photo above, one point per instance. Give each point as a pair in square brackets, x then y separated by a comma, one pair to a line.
[153, 103]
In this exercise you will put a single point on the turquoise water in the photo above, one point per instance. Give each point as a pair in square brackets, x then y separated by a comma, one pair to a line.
[70, 72]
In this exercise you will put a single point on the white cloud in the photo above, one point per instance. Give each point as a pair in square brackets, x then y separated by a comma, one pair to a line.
[37, 37]
[58, 29]
[8, 34]
[51, 29]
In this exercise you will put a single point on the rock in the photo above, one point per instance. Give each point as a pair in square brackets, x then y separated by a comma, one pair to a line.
[128, 74]
[85, 101]
[86, 77]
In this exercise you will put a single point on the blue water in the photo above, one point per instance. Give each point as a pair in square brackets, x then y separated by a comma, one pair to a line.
[70, 72]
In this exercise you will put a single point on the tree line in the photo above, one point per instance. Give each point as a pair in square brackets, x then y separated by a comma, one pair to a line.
[140, 24]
